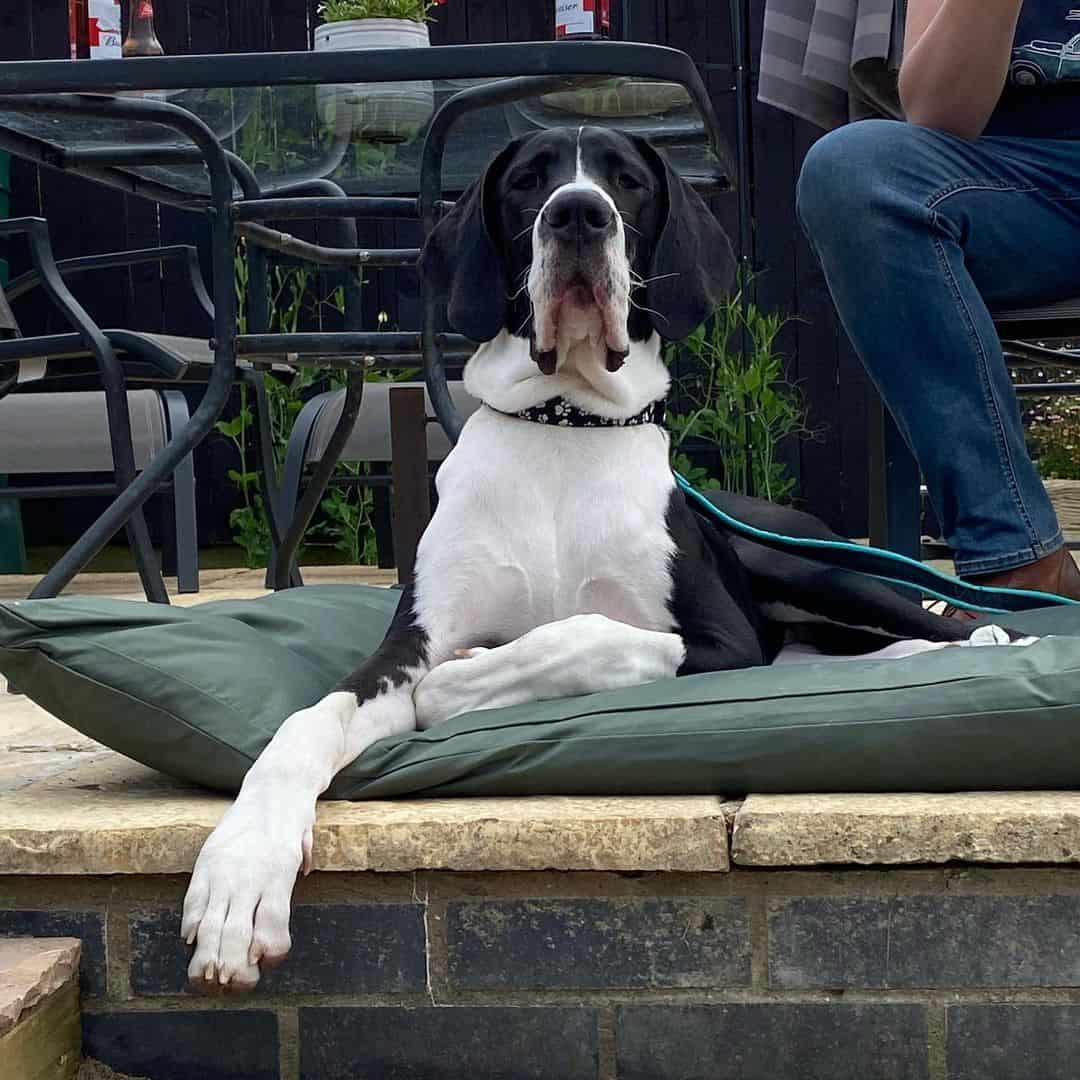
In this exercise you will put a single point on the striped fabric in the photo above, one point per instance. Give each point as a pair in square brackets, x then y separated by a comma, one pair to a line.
[8, 326]
[22, 370]
[831, 61]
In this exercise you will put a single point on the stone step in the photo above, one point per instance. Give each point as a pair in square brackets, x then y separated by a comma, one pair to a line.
[40, 1033]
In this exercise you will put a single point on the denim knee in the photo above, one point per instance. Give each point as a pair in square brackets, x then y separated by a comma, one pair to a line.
[848, 170]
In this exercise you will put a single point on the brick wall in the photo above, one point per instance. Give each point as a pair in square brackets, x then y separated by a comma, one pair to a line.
[853, 975]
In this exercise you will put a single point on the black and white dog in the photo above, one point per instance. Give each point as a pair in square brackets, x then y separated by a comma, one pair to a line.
[562, 558]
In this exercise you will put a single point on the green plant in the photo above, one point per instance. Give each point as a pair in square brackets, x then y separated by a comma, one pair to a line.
[342, 10]
[344, 517]
[1052, 427]
[737, 405]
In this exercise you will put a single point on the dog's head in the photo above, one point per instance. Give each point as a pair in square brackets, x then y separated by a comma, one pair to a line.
[582, 233]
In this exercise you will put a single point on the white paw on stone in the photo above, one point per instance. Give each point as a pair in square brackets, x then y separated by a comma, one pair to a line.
[236, 911]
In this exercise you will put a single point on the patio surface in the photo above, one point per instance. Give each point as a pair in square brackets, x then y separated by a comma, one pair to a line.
[69, 805]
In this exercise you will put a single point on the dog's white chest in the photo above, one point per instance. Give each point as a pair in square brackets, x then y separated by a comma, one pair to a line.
[544, 523]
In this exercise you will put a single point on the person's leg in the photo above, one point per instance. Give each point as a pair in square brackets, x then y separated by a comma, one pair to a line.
[918, 232]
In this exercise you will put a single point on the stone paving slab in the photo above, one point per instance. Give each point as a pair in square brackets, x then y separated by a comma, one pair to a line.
[234, 584]
[150, 829]
[71, 806]
[867, 830]
[108, 815]
[30, 970]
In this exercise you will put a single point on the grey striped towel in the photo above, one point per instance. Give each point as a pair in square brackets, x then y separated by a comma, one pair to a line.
[831, 61]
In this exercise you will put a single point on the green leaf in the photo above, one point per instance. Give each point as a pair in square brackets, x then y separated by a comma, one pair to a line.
[232, 428]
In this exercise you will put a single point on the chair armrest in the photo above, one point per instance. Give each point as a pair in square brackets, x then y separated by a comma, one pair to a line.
[72, 346]
[1028, 352]
[47, 274]
[36, 230]
[185, 254]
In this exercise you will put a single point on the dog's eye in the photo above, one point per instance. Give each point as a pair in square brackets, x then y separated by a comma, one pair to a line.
[526, 182]
[628, 182]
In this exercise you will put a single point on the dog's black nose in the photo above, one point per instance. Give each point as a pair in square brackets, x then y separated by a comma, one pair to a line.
[585, 213]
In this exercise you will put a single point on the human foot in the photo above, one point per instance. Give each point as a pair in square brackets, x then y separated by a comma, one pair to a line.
[1056, 573]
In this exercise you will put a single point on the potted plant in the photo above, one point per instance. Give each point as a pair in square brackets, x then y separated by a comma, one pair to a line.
[386, 112]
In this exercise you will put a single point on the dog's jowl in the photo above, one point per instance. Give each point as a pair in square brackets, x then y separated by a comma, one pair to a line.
[562, 558]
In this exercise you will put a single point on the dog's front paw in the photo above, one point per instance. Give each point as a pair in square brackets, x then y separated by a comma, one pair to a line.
[236, 911]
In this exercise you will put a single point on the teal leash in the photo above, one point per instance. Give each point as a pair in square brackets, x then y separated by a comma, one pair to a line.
[872, 562]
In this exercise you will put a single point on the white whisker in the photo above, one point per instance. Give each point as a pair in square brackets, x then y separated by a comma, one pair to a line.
[645, 281]
[526, 322]
[651, 311]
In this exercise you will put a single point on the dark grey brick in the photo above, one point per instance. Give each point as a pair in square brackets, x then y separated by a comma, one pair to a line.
[770, 1042]
[1013, 1042]
[87, 925]
[925, 941]
[828, 942]
[448, 1044]
[583, 944]
[221, 1044]
[337, 949]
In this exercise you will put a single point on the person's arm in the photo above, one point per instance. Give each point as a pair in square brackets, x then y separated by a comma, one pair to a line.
[956, 59]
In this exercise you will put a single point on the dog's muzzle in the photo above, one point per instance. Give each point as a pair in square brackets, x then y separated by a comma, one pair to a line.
[579, 280]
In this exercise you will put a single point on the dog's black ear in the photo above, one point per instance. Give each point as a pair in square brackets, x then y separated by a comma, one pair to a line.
[692, 266]
[461, 261]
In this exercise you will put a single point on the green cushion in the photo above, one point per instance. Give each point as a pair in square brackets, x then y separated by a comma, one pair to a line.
[197, 692]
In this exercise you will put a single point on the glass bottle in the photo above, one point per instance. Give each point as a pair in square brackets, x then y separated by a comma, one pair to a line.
[141, 39]
[78, 30]
[582, 20]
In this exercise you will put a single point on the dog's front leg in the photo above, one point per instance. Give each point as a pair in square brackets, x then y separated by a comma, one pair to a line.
[582, 654]
[236, 912]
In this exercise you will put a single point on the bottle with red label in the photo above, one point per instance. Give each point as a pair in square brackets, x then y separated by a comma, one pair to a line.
[582, 20]
[94, 29]
[141, 39]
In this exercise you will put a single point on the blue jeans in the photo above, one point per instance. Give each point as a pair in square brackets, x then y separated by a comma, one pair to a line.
[921, 235]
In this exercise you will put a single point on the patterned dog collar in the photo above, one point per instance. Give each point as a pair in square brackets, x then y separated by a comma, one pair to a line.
[558, 412]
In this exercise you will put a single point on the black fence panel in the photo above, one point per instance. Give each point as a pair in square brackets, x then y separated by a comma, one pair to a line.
[830, 469]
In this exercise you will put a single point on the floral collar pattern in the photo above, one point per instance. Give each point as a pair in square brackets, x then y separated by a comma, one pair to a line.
[558, 412]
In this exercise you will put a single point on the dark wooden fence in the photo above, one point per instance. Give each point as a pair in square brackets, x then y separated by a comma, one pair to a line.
[831, 469]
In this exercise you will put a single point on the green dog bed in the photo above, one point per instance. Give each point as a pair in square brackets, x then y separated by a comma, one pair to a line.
[198, 692]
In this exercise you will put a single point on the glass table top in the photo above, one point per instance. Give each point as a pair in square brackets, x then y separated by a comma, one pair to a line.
[368, 137]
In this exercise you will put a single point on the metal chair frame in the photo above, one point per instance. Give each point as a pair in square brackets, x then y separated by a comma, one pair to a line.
[236, 205]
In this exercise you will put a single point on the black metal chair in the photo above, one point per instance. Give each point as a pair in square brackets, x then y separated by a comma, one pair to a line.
[119, 361]
[896, 495]
[46, 434]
